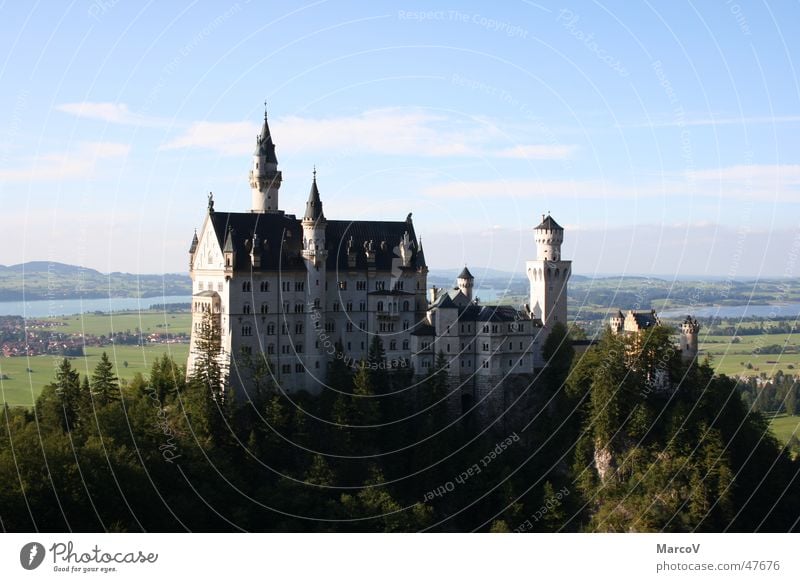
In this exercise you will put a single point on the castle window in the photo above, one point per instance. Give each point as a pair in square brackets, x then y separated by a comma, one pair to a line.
[299, 286]
[405, 325]
[286, 285]
[298, 368]
[299, 349]
[485, 329]
[494, 329]
[380, 285]
[286, 307]
[448, 348]
[380, 305]
[298, 328]
[264, 308]
[329, 326]
[343, 285]
[405, 305]
[246, 330]
[264, 286]
[336, 306]
[349, 326]
[349, 306]
[485, 347]
[393, 345]
[361, 285]
[405, 344]
[299, 308]
[271, 329]
[398, 285]
[284, 329]
[285, 349]
[271, 349]
[486, 363]
[362, 306]
[510, 364]
[246, 286]
[349, 346]
[246, 308]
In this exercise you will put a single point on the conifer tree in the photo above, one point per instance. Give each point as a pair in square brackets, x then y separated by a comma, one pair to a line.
[105, 386]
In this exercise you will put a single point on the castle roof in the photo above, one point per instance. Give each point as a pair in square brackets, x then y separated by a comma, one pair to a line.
[644, 319]
[465, 274]
[281, 239]
[549, 224]
[264, 145]
[193, 246]
[314, 203]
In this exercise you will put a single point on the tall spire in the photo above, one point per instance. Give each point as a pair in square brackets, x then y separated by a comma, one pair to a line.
[314, 203]
[264, 145]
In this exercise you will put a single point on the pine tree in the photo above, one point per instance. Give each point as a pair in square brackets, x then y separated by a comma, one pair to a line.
[105, 386]
[68, 391]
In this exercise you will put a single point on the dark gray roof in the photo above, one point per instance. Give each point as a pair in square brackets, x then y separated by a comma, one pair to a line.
[465, 274]
[264, 145]
[314, 203]
[645, 318]
[193, 246]
[206, 294]
[548, 224]
[280, 238]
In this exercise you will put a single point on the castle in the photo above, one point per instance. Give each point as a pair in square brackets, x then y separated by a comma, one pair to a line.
[303, 291]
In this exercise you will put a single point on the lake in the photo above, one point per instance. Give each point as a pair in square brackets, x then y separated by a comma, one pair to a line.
[54, 307]
[736, 311]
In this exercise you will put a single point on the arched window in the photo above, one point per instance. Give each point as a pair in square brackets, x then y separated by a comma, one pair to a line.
[380, 305]
[405, 305]
[246, 308]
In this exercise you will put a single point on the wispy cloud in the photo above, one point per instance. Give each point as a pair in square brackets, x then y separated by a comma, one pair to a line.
[117, 113]
[390, 131]
[745, 182]
[78, 163]
[720, 120]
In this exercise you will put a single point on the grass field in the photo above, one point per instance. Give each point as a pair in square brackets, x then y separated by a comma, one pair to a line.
[22, 387]
[733, 358]
[104, 324]
[784, 427]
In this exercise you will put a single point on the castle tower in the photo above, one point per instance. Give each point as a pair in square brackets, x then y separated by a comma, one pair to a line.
[265, 178]
[548, 274]
[466, 282]
[315, 257]
[688, 339]
[617, 322]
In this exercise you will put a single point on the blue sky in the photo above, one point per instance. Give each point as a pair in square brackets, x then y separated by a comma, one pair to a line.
[663, 136]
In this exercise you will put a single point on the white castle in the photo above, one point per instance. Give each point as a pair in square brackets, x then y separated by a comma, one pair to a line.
[303, 291]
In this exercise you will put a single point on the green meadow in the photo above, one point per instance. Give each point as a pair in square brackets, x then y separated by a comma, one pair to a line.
[19, 386]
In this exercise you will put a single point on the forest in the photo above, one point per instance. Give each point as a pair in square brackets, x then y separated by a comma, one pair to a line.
[626, 437]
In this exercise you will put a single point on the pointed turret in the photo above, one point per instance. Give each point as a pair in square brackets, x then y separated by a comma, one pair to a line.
[264, 146]
[466, 282]
[194, 244]
[314, 203]
[265, 178]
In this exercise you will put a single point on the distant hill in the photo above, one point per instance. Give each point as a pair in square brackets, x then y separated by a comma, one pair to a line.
[39, 280]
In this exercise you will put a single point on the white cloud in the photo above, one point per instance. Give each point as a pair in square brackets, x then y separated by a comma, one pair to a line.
[230, 139]
[720, 120]
[76, 164]
[538, 152]
[117, 113]
[391, 131]
[747, 182]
